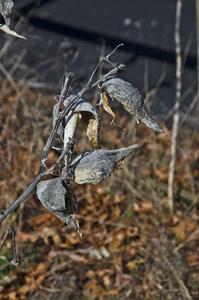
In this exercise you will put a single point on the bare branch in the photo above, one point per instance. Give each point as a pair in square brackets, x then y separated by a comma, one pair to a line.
[15, 261]
[106, 58]
[184, 291]
[190, 238]
[60, 115]
[24, 195]
[197, 40]
[176, 116]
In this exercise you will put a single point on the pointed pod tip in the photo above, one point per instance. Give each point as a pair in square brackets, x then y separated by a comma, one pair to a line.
[7, 30]
[161, 130]
[134, 147]
[157, 128]
[151, 123]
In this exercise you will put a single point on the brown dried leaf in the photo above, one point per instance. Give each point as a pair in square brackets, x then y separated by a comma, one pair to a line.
[104, 215]
[182, 229]
[94, 289]
[49, 232]
[106, 280]
[41, 219]
[118, 240]
[119, 198]
[12, 295]
[162, 173]
[193, 259]
[116, 213]
[132, 231]
[72, 238]
[132, 251]
[24, 289]
[41, 268]
[39, 281]
[144, 207]
[104, 102]
[132, 264]
[91, 127]
[24, 237]
[90, 120]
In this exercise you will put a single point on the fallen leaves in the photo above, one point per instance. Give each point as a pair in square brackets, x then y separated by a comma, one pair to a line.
[126, 235]
[193, 260]
[182, 226]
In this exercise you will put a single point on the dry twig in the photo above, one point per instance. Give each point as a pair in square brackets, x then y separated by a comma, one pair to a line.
[190, 238]
[15, 261]
[197, 40]
[184, 291]
[176, 116]
[63, 95]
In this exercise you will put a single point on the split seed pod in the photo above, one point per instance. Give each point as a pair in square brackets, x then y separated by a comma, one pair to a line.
[131, 100]
[95, 166]
[6, 7]
[89, 117]
[58, 198]
[90, 120]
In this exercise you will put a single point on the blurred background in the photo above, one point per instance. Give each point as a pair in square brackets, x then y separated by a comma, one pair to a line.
[71, 35]
[133, 247]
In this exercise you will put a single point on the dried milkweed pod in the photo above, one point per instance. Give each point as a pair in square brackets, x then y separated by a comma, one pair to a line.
[95, 166]
[57, 197]
[89, 117]
[131, 100]
[7, 30]
[90, 120]
[6, 7]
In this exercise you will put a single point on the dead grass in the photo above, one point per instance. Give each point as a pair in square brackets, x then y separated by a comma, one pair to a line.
[132, 248]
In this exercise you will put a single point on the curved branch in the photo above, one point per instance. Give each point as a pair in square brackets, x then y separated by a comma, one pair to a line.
[24, 195]
[60, 115]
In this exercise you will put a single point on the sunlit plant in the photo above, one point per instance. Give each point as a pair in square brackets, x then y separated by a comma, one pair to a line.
[88, 167]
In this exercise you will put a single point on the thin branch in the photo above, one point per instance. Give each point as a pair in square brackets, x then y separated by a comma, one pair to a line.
[67, 79]
[190, 108]
[24, 195]
[197, 40]
[106, 58]
[60, 115]
[190, 238]
[99, 73]
[184, 291]
[64, 152]
[176, 116]
[15, 261]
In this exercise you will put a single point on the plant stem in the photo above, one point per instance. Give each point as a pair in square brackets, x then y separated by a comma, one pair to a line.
[60, 115]
[176, 115]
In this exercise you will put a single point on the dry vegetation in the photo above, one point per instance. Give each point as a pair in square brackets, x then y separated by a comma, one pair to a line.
[132, 247]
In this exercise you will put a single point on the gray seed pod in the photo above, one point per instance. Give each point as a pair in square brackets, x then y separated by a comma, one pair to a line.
[95, 166]
[131, 100]
[53, 195]
[90, 120]
[6, 7]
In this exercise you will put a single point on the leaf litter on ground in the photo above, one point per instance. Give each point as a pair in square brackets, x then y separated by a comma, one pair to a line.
[126, 226]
